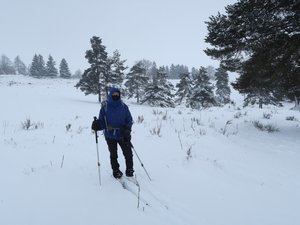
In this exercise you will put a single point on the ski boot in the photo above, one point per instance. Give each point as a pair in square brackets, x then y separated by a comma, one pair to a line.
[117, 174]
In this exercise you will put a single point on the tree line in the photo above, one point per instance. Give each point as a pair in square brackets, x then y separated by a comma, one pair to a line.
[9, 67]
[148, 83]
[38, 68]
[260, 40]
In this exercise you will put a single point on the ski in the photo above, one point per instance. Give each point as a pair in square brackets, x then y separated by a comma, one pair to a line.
[127, 184]
[133, 180]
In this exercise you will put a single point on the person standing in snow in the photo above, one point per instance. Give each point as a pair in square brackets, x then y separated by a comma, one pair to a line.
[116, 121]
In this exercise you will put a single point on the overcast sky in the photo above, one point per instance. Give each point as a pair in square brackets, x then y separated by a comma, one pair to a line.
[164, 31]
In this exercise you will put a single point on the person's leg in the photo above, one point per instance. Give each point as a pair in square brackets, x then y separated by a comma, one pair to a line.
[127, 152]
[113, 149]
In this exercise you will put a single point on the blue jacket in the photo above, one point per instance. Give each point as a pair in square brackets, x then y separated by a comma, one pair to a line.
[113, 116]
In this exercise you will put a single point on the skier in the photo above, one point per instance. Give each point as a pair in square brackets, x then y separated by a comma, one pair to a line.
[116, 121]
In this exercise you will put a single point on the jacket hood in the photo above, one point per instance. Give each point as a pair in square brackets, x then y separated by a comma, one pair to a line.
[110, 100]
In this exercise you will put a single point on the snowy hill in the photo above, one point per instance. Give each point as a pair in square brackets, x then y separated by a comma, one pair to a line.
[210, 167]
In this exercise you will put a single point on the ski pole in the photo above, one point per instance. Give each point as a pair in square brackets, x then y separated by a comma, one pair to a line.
[98, 162]
[140, 161]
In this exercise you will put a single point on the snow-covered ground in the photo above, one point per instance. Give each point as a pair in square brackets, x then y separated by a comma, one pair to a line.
[210, 167]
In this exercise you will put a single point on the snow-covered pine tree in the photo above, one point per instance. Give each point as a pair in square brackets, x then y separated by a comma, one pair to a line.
[137, 81]
[37, 68]
[93, 78]
[159, 92]
[6, 66]
[20, 66]
[194, 73]
[184, 87]
[64, 71]
[211, 72]
[223, 89]
[116, 72]
[41, 65]
[34, 67]
[51, 70]
[202, 95]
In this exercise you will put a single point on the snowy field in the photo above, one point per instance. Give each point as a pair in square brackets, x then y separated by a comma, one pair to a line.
[210, 167]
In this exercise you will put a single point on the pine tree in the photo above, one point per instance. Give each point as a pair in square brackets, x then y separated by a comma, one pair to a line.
[94, 78]
[159, 92]
[211, 72]
[6, 66]
[202, 95]
[137, 80]
[37, 68]
[33, 70]
[64, 71]
[41, 66]
[261, 41]
[223, 90]
[184, 87]
[194, 73]
[20, 67]
[116, 71]
[51, 70]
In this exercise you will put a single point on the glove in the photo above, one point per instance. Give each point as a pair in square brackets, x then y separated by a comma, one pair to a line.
[125, 134]
[95, 125]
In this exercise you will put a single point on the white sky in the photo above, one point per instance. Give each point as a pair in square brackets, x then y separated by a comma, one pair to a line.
[164, 31]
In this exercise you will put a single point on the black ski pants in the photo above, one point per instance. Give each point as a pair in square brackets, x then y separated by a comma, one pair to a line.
[127, 152]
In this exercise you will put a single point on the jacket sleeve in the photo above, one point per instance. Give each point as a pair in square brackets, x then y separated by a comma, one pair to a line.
[128, 119]
[101, 119]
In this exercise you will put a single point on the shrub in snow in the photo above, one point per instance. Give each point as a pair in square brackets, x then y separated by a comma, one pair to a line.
[224, 130]
[68, 127]
[237, 115]
[28, 124]
[258, 125]
[196, 120]
[267, 116]
[156, 130]
[291, 118]
[189, 153]
[140, 119]
[269, 127]
[157, 112]
[165, 116]
[11, 83]
[202, 132]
